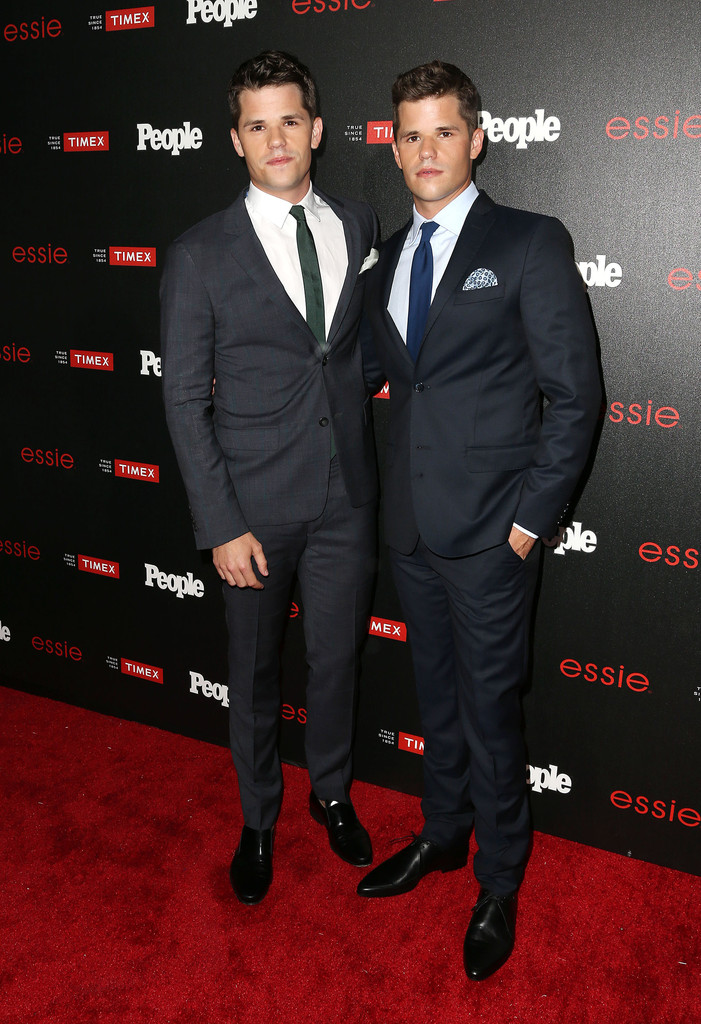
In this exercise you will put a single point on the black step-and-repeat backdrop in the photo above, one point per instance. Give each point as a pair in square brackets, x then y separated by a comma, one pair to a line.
[114, 139]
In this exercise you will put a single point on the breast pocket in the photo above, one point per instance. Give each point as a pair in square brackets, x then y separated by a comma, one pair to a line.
[495, 291]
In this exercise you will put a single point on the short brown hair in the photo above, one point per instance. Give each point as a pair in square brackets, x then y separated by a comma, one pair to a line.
[436, 79]
[272, 67]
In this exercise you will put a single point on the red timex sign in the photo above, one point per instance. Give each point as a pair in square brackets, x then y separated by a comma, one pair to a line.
[411, 744]
[86, 142]
[92, 360]
[384, 391]
[132, 256]
[136, 470]
[387, 628]
[101, 566]
[130, 17]
[141, 671]
[379, 131]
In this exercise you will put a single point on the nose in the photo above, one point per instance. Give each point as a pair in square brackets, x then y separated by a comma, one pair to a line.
[427, 149]
[276, 138]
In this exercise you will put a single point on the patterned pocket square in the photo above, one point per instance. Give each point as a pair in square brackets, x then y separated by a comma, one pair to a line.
[481, 278]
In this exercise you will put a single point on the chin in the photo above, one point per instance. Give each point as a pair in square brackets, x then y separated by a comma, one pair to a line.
[428, 197]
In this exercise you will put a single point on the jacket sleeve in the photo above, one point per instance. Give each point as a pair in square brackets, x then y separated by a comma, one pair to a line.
[188, 370]
[561, 339]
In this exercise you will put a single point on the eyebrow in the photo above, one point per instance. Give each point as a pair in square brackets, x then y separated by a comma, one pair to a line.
[261, 120]
[438, 128]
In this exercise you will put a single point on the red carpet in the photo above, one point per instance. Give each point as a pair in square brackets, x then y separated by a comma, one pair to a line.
[116, 905]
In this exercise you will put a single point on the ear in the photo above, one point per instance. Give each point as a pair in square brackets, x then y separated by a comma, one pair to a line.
[397, 157]
[237, 142]
[476, 143]
[317, 130]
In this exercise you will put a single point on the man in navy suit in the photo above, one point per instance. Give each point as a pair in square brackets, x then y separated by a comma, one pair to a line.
[279, 462]
[477, 312]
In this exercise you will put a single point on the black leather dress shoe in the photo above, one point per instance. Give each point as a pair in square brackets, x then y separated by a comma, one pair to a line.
[251, 869]
[404, 870]
[347, 836]
[490, 934]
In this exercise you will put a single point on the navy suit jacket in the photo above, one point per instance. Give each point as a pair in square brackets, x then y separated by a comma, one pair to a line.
[472, 446]
[257, 451]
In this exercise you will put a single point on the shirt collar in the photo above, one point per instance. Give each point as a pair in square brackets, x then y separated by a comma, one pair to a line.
[451, 217]
[275, 210]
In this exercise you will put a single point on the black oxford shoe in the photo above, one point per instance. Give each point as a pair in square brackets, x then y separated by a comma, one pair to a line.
[347, 837]
[490, 934]
[404, 870]
[251, 869]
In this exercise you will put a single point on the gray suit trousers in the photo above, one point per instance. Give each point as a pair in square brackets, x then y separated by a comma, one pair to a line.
[334, 558]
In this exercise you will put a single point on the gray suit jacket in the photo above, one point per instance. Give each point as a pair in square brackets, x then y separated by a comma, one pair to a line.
[257, 451]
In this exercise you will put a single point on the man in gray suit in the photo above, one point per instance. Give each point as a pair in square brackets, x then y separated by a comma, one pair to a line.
[278, 463]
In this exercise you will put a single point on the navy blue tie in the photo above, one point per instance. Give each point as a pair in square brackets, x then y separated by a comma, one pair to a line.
[420, 287]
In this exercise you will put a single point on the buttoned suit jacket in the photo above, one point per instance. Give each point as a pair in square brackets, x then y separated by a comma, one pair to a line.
[257, 451]
[471, 450]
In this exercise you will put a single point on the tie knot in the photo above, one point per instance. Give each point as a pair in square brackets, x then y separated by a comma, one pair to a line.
[298, 213]
[427, 229]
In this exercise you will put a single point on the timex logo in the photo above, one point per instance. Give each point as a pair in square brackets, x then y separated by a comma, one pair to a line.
[136, 470]
[129, 18]
[101, 566]
[132, 256]
[387, 628]
[91, 360]
[86, 142]
[141, 671]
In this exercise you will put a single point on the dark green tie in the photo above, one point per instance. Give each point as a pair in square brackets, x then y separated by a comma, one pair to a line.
[313, 292]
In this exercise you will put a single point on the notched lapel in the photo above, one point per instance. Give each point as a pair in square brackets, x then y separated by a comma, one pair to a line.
[391, 251]
[351, 229]
[479, 221]
[249, 255]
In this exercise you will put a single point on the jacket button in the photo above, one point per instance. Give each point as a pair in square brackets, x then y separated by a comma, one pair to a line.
[418, 387]
[323, 422]
[324, 361]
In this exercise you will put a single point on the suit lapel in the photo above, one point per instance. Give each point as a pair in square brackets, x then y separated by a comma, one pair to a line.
[351, 230]
[249, 254]
[391, 252]
[477, 223]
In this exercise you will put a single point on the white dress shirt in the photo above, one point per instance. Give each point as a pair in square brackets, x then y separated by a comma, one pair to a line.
[450, 222]
[277, 233]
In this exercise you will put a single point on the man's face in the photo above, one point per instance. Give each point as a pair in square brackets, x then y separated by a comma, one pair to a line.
[276, 136]
[435, 150]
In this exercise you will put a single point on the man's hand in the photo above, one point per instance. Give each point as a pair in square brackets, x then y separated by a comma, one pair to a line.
[520, 542]
[233, 561]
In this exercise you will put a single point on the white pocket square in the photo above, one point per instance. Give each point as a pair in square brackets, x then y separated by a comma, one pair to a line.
[480, 278]
[369, 261]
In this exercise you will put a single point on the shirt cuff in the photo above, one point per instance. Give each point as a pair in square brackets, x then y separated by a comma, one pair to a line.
[527, 532]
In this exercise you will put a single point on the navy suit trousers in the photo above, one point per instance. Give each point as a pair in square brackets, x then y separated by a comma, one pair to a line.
[468, 623]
